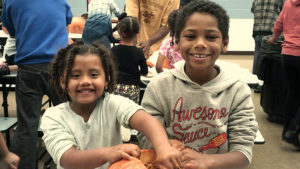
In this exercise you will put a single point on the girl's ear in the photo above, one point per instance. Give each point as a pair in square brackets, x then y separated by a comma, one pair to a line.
[225, 45]
[62, 82]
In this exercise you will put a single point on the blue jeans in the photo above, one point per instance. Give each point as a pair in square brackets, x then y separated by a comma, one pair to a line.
[97, 29]
[32, 84]
[258, 42]
[291, 70]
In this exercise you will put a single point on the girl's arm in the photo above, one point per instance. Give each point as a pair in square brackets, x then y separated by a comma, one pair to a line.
[94, 158]
[167, 156]
[143, 63]
[159, 63]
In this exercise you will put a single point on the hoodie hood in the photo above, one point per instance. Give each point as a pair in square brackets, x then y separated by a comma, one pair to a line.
[228, 76]
[296, 2]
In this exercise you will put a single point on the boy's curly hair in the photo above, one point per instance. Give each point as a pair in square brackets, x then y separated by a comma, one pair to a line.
[203, 6]
[62, 64]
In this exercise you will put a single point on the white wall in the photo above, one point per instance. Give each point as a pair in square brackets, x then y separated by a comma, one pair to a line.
[240, 35]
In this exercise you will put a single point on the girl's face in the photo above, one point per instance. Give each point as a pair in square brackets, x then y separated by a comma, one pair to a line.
[201, 43]
[87, 80]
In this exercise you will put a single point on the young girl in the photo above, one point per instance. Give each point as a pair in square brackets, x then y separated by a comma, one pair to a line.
[130, 60]
[84, 132]
[204, 106]
[167, 48]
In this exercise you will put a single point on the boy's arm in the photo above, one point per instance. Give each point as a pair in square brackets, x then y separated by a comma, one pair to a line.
[242, 126]
[194, 159]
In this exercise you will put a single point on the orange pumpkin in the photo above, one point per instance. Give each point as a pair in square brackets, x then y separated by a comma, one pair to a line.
[145, 162]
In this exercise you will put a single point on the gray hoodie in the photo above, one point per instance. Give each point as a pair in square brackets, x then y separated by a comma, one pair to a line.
[216, 117]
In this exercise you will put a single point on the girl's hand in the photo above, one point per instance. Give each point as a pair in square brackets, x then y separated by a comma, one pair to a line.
[168, 158]
[11, 160]
[176, 144]
[191, 159]
[123, 151]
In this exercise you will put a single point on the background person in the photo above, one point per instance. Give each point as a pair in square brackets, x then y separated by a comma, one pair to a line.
[152, 16]
[265, 14]
[131, 63]
[40, 30]
[168, 50]
[98, 28]
[288, 24]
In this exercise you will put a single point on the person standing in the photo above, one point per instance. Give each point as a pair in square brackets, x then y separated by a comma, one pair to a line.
[265, 14]
[288, 23]
[152, 16]
[98, 28]
[40, 30]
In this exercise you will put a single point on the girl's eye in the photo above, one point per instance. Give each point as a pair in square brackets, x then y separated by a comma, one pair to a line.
[94, 75]
[75, 76]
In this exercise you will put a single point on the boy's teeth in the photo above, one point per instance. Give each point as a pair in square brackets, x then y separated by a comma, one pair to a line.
[199, 56]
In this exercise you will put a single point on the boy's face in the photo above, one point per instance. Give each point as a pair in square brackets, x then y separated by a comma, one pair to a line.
[201, 43]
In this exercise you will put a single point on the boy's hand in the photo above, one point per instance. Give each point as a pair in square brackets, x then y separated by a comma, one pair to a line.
[169, 158]
[123, 151]
[11, 160]
[191, 159]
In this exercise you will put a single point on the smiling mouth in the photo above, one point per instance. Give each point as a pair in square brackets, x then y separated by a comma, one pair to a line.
[86, 91]
[199, 55]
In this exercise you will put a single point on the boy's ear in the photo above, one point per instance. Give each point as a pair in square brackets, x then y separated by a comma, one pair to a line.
[225, 45]
[177, 46]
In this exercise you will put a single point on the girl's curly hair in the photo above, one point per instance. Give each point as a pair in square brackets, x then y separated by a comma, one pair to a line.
[62, 64]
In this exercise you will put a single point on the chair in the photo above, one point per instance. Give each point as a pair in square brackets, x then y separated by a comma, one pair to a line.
[6, 123]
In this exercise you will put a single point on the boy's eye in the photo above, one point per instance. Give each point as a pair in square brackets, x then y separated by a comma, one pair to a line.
[189, 36]
[212, 37]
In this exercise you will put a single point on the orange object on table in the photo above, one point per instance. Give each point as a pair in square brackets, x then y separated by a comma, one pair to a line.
[144, 162]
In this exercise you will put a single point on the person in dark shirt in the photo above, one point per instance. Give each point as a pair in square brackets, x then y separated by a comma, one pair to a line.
[130, 60]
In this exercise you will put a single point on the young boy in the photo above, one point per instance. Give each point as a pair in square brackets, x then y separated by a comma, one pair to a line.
[199, 103]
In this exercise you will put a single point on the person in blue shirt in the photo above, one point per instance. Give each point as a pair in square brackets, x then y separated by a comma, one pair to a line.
[40, 30]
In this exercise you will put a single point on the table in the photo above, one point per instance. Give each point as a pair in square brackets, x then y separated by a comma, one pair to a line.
[4, 81]
[7, 122]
